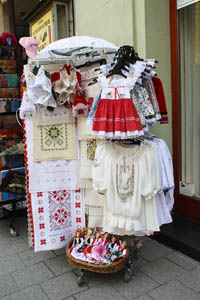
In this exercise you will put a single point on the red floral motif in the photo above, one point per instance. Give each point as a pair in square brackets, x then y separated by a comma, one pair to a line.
[42, 226]
[60, 215]
[78, 220]
[78, 191]
[40, 209]
[62, 238]
[43, 242]
[59, 195]
[78, 205]
[39, 194]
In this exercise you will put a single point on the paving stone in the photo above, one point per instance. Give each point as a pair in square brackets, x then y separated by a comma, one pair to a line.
[192, 279]
[162, 270]
[144, 297]
[62, 287]
[153, 250]
[7, 285]
[30, 257]
[139, 262]
[100, 292]
[10, 264]
[59, 265]
[60, 251]
[22, 234]
[32, 275]
[4, 223]
[3, 239]
[138, 286]
[182, 260]
[93, 279]
[173, 290]
[32, 293]
[12, 247]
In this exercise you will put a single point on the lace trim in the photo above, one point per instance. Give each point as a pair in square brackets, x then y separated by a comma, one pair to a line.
[118, 134]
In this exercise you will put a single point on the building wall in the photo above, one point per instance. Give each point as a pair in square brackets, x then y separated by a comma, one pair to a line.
[144, 24]
[158, 45]
[111, 20]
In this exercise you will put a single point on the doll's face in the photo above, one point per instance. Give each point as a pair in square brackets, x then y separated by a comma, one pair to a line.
[98, 235]
[124, 244]
[106, 234]
[89, 232]
[114, 238]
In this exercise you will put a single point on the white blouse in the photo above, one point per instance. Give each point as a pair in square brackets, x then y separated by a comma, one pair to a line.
[128, 177]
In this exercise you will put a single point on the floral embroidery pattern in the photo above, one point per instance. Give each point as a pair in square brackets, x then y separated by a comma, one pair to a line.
[54, 137]
[60, 210]
[124, 179]
[91, 148]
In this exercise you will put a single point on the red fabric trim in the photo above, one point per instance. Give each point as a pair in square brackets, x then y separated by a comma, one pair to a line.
[28, 196]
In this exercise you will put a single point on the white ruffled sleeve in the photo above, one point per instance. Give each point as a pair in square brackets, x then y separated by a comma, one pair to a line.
[98, 170]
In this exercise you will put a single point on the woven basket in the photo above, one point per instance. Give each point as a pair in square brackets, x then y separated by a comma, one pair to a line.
[107, 268]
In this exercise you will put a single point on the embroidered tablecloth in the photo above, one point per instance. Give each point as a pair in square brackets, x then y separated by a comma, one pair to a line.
[49, 175]
[57, 215]
[53, 142]
[59, 115]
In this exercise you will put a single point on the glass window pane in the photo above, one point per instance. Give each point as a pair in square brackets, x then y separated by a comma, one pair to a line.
[189, 31]
[61, 21]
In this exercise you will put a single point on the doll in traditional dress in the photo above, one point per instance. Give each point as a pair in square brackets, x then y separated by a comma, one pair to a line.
[99, 251]
[95, 242]
[88, 240]
[112, 245]
[77, 240]
[118, 253]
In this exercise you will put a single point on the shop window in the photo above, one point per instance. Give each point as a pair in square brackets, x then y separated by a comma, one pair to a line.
[189, 53]
[62, 28]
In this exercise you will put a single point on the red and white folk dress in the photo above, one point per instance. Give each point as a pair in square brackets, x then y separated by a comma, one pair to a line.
[116, 116]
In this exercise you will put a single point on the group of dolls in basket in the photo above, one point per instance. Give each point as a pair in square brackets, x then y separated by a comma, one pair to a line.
[97, 248]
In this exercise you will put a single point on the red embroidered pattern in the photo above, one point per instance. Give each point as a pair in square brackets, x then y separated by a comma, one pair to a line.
[42, 226]
[43, 242]
[62, 238]
[39, 194]
[40, 210]
[60, 210]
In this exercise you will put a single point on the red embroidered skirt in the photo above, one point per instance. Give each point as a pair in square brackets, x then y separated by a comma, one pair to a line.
[116, 118]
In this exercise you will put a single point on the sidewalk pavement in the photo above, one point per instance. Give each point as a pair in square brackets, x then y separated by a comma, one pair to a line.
[160, 273]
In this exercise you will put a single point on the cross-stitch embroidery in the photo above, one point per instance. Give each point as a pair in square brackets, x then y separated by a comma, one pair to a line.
[54, 137]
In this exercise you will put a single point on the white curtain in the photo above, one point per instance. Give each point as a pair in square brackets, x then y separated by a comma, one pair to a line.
[189, 18]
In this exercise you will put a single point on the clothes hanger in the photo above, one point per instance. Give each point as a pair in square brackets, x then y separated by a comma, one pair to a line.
[101, 61]
[92, 82]
[117, 70]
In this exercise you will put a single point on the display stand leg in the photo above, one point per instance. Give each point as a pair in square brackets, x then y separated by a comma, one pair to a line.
[128, 274]
[81, 279]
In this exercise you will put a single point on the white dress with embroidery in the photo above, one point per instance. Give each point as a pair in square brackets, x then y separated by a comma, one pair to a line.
[116, 115]
[129, 179]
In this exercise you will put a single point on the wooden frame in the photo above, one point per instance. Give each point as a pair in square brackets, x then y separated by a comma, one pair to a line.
[184, 205]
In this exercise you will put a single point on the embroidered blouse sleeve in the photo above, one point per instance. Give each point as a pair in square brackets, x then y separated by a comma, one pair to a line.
[151, 182]
[98, 169]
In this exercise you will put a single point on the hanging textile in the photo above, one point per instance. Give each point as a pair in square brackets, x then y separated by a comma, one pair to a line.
[57, 215]
[49, 175]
